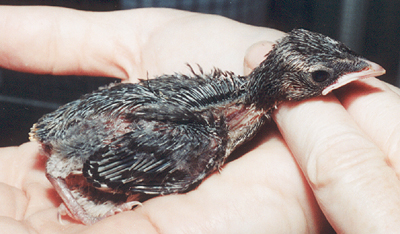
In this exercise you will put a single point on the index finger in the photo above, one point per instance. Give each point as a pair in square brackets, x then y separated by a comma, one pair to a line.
[356, 189]
[375, 106]
[122, 44]
[61, 41]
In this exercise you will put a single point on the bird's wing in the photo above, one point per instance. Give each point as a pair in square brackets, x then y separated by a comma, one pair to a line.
[164, 152]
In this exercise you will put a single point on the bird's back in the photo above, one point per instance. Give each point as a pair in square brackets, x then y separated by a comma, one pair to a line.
[196, 103]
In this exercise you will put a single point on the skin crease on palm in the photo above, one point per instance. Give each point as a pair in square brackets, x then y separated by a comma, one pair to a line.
[336, 160]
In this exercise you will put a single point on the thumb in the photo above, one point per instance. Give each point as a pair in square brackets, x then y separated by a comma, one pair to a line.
[255, 54]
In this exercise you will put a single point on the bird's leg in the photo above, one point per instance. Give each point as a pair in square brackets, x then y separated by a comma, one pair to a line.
[72, 207]
[77, 209]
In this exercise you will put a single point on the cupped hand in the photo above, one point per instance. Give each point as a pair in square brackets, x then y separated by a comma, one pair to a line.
[262, 191]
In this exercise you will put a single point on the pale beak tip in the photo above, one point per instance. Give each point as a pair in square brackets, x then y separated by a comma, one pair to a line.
[378, 69]
[373, 70]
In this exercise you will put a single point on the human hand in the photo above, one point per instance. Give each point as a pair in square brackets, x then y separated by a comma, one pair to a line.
[131, 44]
[262, 190]
[348, 148]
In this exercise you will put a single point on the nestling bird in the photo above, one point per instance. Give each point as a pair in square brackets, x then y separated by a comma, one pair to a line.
[165, 135]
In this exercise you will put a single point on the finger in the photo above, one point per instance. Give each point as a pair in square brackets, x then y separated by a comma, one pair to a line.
[63, 41]
[375, 106]
[393, 88]
[122, 44]
[356, 189]
[17, 164]
[23, 183]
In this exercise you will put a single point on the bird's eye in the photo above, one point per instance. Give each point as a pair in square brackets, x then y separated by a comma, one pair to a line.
[320, 76]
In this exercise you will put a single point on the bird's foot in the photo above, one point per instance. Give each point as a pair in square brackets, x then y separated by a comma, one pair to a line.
[86, 209]
[70, 206]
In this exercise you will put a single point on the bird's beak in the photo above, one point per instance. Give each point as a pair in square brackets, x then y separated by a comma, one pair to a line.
[372, 70]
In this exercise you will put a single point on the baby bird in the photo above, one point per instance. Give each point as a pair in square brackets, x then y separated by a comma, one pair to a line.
[165, 135]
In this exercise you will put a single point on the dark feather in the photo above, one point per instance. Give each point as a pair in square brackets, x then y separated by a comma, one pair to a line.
[157, 163]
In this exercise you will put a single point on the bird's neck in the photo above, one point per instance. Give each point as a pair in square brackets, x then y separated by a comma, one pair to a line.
[263, 88]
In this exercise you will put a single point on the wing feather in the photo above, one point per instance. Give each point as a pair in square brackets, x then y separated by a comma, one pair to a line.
[169, 160]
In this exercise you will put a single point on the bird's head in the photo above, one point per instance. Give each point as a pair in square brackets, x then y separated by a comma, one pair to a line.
[305, 64]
